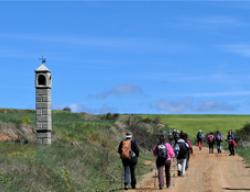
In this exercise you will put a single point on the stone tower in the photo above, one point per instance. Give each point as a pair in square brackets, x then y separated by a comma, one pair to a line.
[43, 104]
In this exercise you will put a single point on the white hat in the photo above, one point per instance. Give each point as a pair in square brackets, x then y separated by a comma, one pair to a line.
[128, 135]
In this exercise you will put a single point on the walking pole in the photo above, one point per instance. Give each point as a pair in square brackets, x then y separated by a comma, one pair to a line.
[121, 180]
[174, 169]
[139, 173]
[155, 179]
[155, 176]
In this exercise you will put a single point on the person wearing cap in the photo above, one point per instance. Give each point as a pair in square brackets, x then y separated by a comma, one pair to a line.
[129, 152]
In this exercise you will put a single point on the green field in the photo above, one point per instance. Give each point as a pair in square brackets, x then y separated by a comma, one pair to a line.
[192, 123]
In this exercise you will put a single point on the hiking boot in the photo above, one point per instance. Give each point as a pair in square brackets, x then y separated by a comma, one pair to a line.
[179, 173]
[126, 188]
[133, 187]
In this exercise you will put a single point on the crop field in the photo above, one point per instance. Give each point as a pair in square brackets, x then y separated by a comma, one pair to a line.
[192, 123]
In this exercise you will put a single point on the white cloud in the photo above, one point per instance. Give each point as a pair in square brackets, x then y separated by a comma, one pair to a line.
[210, 94]
[193, 106]
[218, 20]
[213, 106]
[240, 49]
[222, 94]
[137, 44]
[120, 90]
[208, 22]
[172, 106]
[77, 107]
[184, 77]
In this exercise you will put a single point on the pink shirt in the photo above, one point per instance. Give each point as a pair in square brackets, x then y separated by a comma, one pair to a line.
[169, 149]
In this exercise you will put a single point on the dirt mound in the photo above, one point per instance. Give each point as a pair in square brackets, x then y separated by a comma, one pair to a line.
[4, 137]
[11, 132]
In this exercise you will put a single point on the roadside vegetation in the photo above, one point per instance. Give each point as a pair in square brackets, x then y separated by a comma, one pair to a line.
[244, 143]
[83, 156]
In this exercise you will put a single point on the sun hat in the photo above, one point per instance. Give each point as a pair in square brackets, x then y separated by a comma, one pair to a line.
[128, 135]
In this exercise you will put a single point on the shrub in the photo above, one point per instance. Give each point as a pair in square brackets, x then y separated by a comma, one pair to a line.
[244, 133]
[26, 120]
[67, 109]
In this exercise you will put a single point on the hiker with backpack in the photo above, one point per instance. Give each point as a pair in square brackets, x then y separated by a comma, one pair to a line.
[190, 147]
[129, 152]
[218, 140]
[181, 152]
[210, 142]
[231, 142]
[176, 135]
[164, 153]
[199, 139]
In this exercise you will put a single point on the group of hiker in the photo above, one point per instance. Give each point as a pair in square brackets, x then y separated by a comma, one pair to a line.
[166, 151]
[216, 138]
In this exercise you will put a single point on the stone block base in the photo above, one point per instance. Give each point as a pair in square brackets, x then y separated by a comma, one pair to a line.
[44, 138]
[44, 141]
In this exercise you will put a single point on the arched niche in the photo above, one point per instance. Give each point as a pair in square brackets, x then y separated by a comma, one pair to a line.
[41, 80]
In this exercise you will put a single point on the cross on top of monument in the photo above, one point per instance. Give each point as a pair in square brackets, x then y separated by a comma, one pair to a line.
[42, 66]
[43, 60]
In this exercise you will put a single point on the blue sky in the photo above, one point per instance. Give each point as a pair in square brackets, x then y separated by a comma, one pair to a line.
[129, 56]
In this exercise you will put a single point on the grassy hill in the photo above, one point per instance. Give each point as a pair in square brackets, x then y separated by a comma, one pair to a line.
[84, 156]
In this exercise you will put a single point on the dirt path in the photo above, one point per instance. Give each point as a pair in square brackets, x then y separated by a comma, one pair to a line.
[207, 173]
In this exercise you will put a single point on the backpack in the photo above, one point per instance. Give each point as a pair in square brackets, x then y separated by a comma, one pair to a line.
[181, 150]
[218, 137]
[162, 151]
[210, 138]
[126, 149]
[199, 136]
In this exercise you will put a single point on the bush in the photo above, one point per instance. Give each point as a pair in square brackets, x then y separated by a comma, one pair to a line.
[144, 130]
[244, 133]
[67, 109]
[110, 116]
[26, 120]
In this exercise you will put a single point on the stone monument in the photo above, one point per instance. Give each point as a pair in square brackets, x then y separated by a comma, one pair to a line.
[43, 104]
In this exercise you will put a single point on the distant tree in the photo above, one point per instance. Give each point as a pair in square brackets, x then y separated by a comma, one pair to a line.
[67, 109]
[110, 116]
[116, 115]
